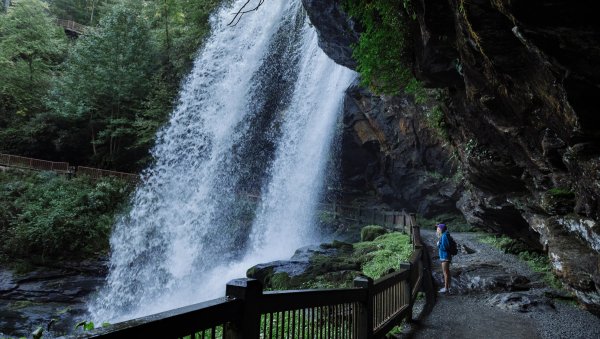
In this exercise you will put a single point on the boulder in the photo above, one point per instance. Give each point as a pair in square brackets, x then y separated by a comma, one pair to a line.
[335, 29]
[522, 302]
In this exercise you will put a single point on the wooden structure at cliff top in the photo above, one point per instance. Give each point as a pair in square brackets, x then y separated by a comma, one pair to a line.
[370, 309]
[62, 168]
[33, 164]
[72, 26]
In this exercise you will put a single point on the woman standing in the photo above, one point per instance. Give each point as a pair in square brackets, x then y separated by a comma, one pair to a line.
[445, 257]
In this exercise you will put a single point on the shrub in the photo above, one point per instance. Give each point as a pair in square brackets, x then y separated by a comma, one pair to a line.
[384, 52]
[384, 253]
[49, 215]
[369, 233]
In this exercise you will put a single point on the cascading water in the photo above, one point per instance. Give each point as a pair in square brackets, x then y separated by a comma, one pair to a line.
[257, 114]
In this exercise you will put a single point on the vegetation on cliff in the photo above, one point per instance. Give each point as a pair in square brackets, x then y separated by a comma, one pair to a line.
[97, 99]
[384, 52]
[44, 215]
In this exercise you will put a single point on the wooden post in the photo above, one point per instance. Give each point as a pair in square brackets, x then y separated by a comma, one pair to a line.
[408, 291]
[364, 328]
[250, 291]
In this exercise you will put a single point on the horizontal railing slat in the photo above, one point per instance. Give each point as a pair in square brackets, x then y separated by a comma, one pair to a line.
[389, 280]
[387, 326]
[277, 301]
[175, 323]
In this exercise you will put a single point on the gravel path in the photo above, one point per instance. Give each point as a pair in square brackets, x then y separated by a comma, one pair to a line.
[496, 295]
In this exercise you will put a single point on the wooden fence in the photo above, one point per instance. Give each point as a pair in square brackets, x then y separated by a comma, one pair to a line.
[71, 25]
[33, 164]
[368, 310]
[96, 173]
[62, 168]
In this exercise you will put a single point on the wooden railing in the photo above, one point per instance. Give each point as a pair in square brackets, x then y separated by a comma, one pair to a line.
[33, 164]
[62, 168]
[72, 26]
[96, 173]
[368, 310]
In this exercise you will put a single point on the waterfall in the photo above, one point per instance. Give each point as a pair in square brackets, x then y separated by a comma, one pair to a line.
[257, 114]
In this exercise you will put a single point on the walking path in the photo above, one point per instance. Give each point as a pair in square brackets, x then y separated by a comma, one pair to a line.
[496, 295]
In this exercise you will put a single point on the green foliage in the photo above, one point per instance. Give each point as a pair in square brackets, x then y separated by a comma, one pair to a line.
[85, 12]
[541, 264]
[384, 52]
[31, 46]
[85, 325]
[436, 121]
[120, 80]
[105, 81]
[49, 215]
[371, 232]
[536, 261]
[384, 253]
[104, 104]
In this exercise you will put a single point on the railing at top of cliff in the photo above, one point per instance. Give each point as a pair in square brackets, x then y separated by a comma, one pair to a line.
[349, 213]
[33, 164]
[62, 168]
[72, 26]
[368, 310]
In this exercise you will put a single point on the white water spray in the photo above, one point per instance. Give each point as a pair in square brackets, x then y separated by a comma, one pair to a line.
[257, 113]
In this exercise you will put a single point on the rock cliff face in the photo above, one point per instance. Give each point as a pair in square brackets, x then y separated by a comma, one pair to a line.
[519, 78]
[388, 148]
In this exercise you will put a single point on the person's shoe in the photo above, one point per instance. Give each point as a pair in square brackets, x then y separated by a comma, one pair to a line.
[443, 290]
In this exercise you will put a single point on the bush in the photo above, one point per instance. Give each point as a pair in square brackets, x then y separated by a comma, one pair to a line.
[49, 215]
[369, 233]
[384, 52]
[384, 254]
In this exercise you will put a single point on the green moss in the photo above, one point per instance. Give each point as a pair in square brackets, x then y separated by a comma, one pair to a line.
[371, 232]
[558, 201]
[561, 193]
[280, 280]
[372, 258]
[384, 253]
[436, 121]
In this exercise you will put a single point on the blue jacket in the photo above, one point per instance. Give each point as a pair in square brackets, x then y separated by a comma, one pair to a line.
[443, 246]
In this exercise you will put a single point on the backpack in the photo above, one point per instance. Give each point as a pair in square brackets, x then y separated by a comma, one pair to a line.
[453, 248]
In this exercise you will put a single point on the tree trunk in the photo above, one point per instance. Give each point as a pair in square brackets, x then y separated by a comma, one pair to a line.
[6, 4]
[167, 37]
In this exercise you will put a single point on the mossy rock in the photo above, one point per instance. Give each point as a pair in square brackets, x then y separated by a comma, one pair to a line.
[280, 281]
[339, 245]
[371, 232]
[558, 201]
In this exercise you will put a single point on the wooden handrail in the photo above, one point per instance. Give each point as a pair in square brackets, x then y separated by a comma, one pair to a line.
[370, 310]
[62, 168]
[175, 323]
[33, 164]
[72, 26]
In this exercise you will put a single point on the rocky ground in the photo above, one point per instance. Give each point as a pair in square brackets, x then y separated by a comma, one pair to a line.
[496, 295]
[52, 298]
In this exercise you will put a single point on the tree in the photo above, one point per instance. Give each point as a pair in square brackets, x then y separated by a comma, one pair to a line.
[31, 47]
[106, 79]
[85, 12]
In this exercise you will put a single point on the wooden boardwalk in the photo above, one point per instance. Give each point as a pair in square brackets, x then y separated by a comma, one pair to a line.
[72, 26]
